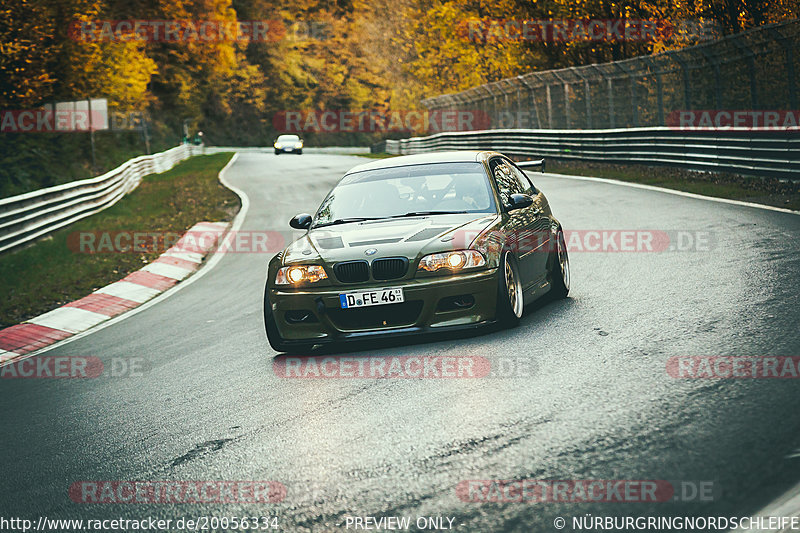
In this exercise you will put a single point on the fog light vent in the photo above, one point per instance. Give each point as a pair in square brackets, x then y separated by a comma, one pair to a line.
[451, 303]
[300, 316]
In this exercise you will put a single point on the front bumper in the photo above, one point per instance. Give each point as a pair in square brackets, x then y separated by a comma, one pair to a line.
[421, 312]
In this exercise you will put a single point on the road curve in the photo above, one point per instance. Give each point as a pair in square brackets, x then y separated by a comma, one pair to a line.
[598, 403]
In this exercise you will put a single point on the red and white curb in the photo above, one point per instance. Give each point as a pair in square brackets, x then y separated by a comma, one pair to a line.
[178, 262]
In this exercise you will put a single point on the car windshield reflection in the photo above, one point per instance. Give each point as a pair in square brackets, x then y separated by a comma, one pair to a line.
[415, 190]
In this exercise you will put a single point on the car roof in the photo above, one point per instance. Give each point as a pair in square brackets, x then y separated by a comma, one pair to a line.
[455, 156]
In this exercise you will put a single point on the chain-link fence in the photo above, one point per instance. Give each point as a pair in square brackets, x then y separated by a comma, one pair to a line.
[754, 70]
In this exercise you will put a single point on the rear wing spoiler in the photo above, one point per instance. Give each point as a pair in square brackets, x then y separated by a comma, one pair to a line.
[531, 164]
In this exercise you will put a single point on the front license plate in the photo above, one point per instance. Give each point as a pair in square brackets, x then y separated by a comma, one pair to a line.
[368, 298]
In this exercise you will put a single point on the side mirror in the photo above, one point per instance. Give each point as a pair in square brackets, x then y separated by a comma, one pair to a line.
[301, 221]
[519, 201]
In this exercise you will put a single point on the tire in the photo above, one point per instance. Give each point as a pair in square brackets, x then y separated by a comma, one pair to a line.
[559, 269]
[300, 152]
[274, 337]
[277, 152]
[510, 298]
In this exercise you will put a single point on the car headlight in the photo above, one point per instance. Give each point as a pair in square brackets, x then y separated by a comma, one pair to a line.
[278, 145]
[452, 261]
[298, 145]
[293, 275]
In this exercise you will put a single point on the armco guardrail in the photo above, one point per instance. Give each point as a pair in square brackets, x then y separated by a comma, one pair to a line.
[28, 216]
[753, 152]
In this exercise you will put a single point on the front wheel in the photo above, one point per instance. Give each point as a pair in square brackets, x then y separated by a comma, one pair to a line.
[559, 268]
[510, 303]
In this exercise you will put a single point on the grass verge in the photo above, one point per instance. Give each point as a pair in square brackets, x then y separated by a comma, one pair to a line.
[47, 274]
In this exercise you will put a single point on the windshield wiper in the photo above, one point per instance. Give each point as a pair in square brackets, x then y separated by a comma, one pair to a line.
[412, 214]
[423, 213]
[346, 221]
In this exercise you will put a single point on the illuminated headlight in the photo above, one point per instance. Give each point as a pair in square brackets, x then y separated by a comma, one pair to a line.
[292, 275]
[278, 145]
[298, 145]
[453, 261]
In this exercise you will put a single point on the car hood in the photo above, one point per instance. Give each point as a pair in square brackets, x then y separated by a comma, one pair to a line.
[402, 237]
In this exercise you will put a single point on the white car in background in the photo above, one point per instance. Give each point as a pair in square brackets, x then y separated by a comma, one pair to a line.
[288, 144]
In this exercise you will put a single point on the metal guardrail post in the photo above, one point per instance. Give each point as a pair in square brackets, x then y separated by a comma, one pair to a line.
[611, 101]
[632, 83]
[611, 117]
[91, 134]
[566, 99]
[532, 100]
[687, 90]
[659, 90]
[587, 96]
[492, 96]
[519, 102]
[505, 103]
[789, 52]
[751, 66]
[717, 82]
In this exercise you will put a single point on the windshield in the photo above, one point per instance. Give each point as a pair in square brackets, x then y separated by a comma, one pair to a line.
[288, 139]
[416, 189]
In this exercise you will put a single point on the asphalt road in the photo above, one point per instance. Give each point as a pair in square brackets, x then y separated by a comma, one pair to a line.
[597, 404]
